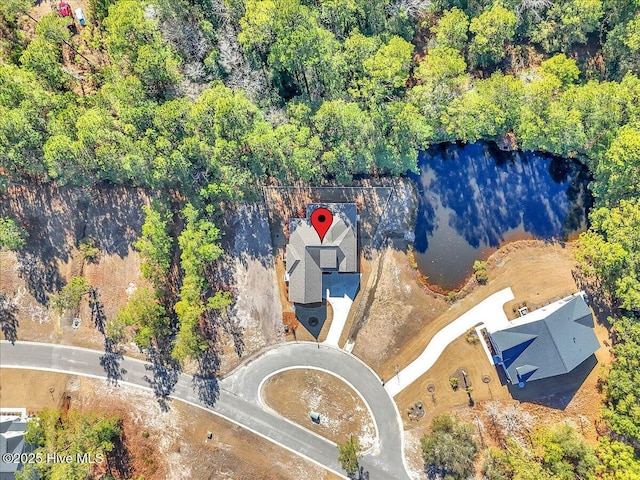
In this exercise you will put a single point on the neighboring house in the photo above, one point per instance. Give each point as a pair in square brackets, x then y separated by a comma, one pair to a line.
[546, 342]
[13, 425]
[307, 257]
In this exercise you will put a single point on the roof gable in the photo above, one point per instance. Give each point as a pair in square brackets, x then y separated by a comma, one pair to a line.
[575, 341]
[563, 340]
[307, 257]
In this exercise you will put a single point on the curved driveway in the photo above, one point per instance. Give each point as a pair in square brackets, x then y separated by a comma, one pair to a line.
[238, 400]
[488, 312]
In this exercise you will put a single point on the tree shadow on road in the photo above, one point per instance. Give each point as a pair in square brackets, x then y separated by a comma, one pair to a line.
[362, 474]
[205, 381]
[164, 376]
[8, 321]
[110, 361]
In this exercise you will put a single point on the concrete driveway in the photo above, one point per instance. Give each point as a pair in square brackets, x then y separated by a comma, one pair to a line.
[489, 312]
[340, 290]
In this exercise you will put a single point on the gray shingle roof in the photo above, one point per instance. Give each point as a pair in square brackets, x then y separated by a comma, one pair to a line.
[307, 257]
[549, 346]
[12, 429]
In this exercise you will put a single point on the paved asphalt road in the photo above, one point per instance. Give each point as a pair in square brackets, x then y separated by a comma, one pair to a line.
[238, 396]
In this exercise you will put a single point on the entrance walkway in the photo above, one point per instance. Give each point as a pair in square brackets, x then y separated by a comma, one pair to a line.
[489, 312]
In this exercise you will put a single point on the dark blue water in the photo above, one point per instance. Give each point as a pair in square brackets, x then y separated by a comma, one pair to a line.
[475, 198]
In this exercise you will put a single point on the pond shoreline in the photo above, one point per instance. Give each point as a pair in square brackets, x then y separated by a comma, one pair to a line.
[474, 199]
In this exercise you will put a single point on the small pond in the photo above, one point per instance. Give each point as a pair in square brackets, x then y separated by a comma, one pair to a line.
[474, 198]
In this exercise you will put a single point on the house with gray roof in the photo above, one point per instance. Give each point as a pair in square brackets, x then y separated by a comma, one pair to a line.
[308, 257]
[547, 342]
[13, 425]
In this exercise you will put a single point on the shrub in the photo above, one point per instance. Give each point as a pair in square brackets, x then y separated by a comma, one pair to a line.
[88, 249]
[480, 271]
[472, 337]
[412, 257]
[69, 296]
[449, 450]
[12, 237]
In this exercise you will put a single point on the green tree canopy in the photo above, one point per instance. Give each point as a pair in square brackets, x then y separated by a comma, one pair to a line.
[347, 134]
[617, 461]
[12, 237]
[622, 48]
[566, 23]
[563, 68]
[387, 70]
[43, 58]
[608, 251]
[622, 389]
[12, 9]
[69, 296]
[489, 110]
[146, 315]
[452, 29]
[449, 450]
[565, 454]
[200, 249]
[557, 453]
[155, 245]
[618, 172]
[491, 31]
[442, 65]
[75, 433]
[349, 454]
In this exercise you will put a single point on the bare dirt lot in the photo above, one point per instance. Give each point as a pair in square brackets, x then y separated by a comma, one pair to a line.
[399, 311]
[57, 219]
[249, 270]
[296, 393]
[163, 445]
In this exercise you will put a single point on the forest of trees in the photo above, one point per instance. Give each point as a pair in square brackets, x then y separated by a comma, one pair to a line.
[205, 100]
[72, 433]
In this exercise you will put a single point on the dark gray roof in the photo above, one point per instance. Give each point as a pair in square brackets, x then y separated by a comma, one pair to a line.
[306, 257]
[548, 346]
[12, 430]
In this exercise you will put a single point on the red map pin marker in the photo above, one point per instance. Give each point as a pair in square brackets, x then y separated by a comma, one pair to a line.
[321, 219]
